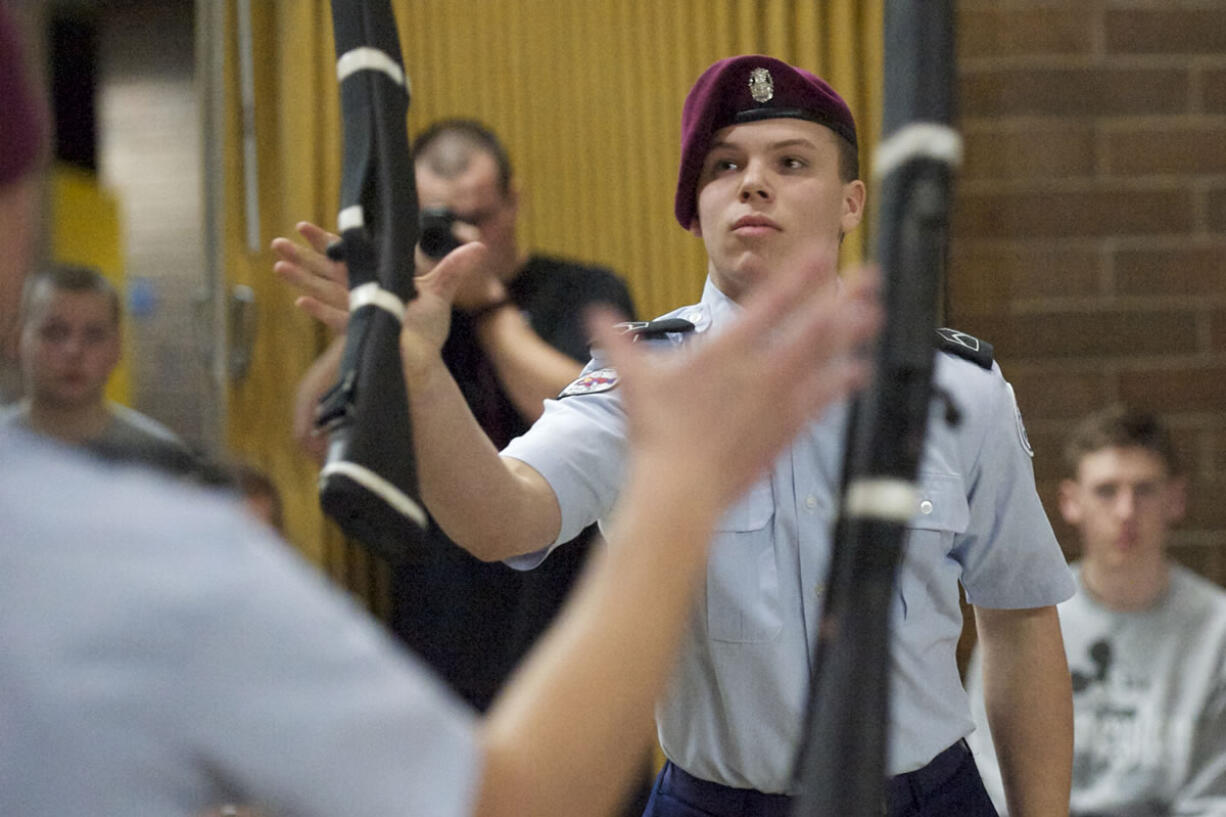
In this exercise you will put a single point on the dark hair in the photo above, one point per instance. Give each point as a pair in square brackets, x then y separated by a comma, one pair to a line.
[1120, 426]
[69, 278]
[849, 160]
[447, 146]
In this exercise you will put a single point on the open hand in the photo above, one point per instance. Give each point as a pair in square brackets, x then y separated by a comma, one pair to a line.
[427, 320]
[324, 283]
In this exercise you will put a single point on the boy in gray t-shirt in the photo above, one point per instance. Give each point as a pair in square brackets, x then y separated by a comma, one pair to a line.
[1145, 638]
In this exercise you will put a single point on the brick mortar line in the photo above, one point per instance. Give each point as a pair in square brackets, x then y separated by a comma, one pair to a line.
[1114, 365]
[1152, 183]
[1124, 304]
[1107, 61]
[1022, 124]
[1088, 366]
[1197, 425]
[1164, 242]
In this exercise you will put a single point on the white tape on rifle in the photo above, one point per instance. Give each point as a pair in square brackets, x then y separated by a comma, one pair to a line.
[352, 216]
[380, 487]
[374, 295]
[365, 58]
[918, 140]
[887, 499]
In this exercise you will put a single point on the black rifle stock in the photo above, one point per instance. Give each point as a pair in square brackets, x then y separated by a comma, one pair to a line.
[369, 482]
[841, 766]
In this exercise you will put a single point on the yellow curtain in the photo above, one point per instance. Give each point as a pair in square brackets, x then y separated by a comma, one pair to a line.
[297, 160]
[587, 96]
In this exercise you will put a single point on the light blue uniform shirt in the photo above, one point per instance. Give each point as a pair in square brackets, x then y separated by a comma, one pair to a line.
[736, 707]
[163, 653]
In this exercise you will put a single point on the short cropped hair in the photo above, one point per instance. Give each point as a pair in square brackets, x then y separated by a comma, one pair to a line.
[69, 278]
[1120, 426]
[849, 160]
[447, 146]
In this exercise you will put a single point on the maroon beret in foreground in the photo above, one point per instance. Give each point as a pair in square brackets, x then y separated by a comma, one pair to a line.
[746, 89]
[21, 114]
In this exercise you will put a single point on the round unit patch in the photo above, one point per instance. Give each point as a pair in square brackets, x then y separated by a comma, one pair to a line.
[593, 382]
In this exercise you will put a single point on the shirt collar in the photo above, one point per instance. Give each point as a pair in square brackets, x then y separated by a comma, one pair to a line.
[714, 310]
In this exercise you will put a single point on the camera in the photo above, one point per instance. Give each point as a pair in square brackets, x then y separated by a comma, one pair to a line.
[435, 236]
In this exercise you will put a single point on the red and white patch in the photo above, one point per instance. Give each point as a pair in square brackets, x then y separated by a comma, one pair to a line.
[593, 382]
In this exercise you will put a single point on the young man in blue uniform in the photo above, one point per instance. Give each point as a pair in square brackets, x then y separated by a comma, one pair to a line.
[164, 653]
[769, 182]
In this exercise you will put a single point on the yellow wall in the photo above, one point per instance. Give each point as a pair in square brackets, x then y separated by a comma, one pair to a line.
[259, 406]
[588, 98]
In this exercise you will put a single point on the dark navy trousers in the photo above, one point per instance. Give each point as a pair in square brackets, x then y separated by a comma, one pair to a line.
[949, 786]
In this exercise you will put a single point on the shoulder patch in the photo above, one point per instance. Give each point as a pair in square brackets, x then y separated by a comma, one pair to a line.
[966, 346]
[655, 329]
[593, 382]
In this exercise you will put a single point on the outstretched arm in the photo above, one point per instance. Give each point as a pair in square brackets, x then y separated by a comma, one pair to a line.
[1029, 701]
[787, 357]
[492, 506]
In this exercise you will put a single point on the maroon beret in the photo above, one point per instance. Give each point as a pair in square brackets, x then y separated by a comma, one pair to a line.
[746, 89]
[22, 121]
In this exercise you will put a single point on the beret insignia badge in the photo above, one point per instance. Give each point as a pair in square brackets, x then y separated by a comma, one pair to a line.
[761, 85]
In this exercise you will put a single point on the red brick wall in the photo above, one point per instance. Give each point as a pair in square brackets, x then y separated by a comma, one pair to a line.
[1090, 224]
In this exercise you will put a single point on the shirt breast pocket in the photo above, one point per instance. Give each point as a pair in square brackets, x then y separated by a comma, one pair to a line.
[941, 514]
[743, 604]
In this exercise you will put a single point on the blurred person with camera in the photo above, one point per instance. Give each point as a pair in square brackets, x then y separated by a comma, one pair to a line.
[517, 338]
